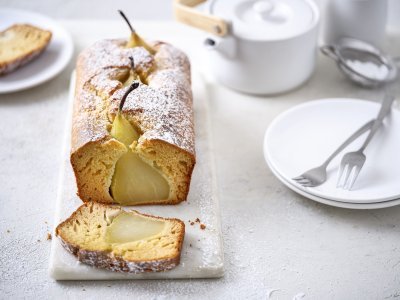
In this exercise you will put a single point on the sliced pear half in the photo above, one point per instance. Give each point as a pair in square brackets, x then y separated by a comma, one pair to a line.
[128, 227]
[134, 181]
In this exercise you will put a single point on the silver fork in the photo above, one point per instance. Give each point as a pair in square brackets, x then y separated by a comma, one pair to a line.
[352, 162]
[318, 175]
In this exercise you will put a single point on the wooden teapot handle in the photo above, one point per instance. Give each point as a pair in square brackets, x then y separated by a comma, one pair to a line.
[185, 13]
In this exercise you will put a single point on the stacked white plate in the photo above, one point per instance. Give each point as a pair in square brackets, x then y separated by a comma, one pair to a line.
[302, 138]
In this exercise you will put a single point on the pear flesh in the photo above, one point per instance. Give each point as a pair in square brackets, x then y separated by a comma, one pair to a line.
[127, 228]
[134, 181]
[137, 41]
[123, 131]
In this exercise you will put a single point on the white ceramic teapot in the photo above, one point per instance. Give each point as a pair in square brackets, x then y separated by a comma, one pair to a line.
[257, 46]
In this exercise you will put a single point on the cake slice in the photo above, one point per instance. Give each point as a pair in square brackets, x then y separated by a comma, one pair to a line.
[108, 237]
[19, 44]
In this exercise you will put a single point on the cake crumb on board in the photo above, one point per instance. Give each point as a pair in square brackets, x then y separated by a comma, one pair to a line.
[202, 226]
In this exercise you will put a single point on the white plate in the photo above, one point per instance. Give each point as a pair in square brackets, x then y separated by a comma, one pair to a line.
[294, 188]
[48, 64]
[304, 136]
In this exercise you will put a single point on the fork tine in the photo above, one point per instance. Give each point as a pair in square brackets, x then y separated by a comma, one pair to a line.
[297, 179]
[304, 181]
[352, 171]
[348, 179]
[354, 178]
[342, 171]
[301, 180]
[347, 176]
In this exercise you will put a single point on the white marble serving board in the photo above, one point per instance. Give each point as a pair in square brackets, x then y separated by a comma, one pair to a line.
[202, 252]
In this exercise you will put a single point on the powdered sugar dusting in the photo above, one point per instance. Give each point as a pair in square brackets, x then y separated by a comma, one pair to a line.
[162, 107]
[161, 114]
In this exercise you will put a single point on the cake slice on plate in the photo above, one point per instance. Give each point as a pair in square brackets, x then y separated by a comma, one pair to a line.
[19, 44]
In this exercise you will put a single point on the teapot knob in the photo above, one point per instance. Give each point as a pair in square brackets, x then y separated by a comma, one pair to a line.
[263, 8]
[268, 10]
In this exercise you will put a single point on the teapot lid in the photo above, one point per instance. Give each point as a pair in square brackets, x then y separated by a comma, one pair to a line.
[266, 19]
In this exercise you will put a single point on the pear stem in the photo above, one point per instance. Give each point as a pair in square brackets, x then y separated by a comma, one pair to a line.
[126, 20]
[132, 87]
[132, 63]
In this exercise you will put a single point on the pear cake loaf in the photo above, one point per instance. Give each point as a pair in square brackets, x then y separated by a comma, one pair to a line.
[144, 153]
[152, 244]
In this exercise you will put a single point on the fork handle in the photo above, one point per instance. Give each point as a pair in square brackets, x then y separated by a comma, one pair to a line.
[385, 109]
[349, 140]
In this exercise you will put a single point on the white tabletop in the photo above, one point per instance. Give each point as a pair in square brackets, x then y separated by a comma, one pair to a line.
[273, 238]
